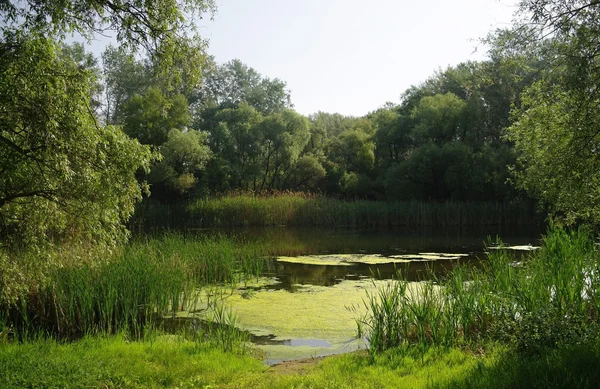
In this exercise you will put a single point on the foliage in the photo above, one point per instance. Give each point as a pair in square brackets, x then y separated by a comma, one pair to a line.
[64, 176]
[547, 302]
[184, 155]
[150, 116]
[130, 291]
[124, 77]
[232, 83]
[555, 130]
[165, 29]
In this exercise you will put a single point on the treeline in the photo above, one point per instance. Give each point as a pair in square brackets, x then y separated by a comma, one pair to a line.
[238, 131]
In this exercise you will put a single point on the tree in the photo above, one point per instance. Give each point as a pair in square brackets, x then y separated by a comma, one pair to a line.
[283, 136]
[232, 83]
[439, 118]
[124, 77]
[63, 175]
[555, 131]
[149, 117]
[235, 140]
[185, 154]
[76, 52]
[164, 29]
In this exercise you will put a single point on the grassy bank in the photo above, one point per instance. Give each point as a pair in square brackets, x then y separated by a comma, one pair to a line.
[299, 209]
[129, 291]
[169, 362]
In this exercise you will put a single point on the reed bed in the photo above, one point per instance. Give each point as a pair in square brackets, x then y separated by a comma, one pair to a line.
[300, 209]
[547, 300]
[132, 291]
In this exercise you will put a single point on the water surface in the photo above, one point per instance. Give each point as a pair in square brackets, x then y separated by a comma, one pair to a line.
[307, 301]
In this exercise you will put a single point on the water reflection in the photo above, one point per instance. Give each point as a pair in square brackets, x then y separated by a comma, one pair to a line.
[283, 241]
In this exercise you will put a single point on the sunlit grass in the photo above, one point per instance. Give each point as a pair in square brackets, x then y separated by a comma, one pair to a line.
[169, 362]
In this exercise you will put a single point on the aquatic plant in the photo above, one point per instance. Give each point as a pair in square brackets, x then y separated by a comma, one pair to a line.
[546, 299]
[150, 278]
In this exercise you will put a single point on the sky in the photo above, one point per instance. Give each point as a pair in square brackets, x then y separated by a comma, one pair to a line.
[350, 56]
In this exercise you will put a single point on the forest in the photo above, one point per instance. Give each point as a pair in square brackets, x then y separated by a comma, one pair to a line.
[155, 129]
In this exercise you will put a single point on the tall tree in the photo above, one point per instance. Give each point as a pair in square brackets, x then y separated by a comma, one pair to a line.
[63, 175]
[164, 29]
[556, 131]
[234, 82]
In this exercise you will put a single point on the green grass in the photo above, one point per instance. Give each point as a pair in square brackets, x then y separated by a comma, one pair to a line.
[299, 209]
[98, 362]
[131, 291]
[547, 300]
[172, 362]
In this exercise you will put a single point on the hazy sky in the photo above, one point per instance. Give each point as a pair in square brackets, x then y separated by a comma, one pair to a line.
[351, 56]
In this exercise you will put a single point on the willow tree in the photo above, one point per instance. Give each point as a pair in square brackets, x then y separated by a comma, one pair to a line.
[556, 130]
[65, 177]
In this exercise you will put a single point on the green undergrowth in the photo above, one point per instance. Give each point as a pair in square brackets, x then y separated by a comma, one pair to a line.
[300, 209]
[115, 362]
[151, 278]
[543, 301]
[172, 362]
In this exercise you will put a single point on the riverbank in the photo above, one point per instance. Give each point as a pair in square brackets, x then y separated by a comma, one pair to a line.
[171, 362]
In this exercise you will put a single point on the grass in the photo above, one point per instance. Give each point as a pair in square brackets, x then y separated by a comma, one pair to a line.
[115, 362]
[506, 324]
[173, 362]
[151, 278]
[549, 300]
[300, 209]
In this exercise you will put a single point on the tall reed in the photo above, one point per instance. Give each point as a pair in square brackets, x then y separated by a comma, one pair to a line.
[550, 297]
[300, 209]
[152, 277]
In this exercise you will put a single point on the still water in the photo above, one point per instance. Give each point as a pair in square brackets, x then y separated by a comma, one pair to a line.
[308, 300]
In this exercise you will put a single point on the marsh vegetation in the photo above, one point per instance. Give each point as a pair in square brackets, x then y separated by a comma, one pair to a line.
[169, 221]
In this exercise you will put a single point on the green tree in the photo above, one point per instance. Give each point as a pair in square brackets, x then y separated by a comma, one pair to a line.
[440, 118]
[556, 131]
[165, 29]
[149, 117]
[185, 155]
[124, 77]
[283, 136]
[63, 175]
[235, 140]
[234, 82]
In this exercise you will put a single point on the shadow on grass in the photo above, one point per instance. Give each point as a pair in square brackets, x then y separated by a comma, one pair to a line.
[567, 367]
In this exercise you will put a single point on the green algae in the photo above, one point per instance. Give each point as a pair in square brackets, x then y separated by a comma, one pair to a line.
[428, 256]
[331, 260]
[527, 247]
[311, 313]
[367, 259]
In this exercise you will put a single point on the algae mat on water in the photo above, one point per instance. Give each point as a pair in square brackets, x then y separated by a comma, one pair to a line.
[367, 259]
[313, 321]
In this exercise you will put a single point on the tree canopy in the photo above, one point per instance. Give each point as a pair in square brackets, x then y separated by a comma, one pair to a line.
[64, 176]
[555, 131]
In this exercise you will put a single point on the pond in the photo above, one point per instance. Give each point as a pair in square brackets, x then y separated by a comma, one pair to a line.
[307, 301]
